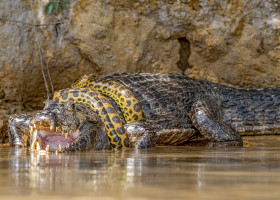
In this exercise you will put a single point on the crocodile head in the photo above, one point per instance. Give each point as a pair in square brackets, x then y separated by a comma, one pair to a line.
[66, 127]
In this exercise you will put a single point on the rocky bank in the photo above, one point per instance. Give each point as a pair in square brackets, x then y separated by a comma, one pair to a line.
[231, 42]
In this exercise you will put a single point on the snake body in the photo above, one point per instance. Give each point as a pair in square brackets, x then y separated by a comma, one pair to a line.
[124, 97]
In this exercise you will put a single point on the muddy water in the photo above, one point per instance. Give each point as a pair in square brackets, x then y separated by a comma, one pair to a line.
[251, 172]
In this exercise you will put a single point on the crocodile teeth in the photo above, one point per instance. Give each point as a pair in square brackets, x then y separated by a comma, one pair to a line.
[62, 133]
[38, 146]
[34, 126]
[67, 145]
[56, 152]
[51, 127]
[35, 133]
[31, 129]
[56, 129]
[65, 135]
[59, 148]
[33, 145]
[47, 149]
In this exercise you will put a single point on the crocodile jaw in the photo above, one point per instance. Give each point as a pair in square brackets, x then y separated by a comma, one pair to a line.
[52, 140]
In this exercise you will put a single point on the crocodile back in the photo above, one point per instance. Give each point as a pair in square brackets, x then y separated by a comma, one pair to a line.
[165, 98]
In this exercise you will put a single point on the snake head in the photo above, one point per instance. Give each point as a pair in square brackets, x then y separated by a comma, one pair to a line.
[84, 80]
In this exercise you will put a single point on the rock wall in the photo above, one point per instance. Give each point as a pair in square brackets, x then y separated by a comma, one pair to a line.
[232, 42]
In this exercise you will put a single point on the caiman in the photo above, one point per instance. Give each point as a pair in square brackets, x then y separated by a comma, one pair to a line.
[146, 109]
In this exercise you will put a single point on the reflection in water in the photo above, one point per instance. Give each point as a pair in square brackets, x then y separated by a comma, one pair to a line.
[88, 170]
[158, 173]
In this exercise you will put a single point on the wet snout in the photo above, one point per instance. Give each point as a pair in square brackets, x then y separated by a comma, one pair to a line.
[44, 119]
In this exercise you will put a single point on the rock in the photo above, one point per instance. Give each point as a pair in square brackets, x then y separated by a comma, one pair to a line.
[4, 138]
[231, 42]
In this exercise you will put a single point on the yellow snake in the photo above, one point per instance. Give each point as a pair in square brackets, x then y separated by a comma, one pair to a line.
[125, 99]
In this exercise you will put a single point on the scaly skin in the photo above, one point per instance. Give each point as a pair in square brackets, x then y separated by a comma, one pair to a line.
[167, 101]
[123, 96]
[177, 108]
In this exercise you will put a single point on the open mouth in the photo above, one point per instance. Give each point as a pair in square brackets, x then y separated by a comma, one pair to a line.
[52, 139]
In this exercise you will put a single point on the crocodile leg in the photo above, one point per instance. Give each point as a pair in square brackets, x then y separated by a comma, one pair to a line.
[18, 127]
[206, 117]
[141, 135]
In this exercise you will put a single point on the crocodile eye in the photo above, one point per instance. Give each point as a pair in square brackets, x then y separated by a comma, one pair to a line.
[70, 105]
